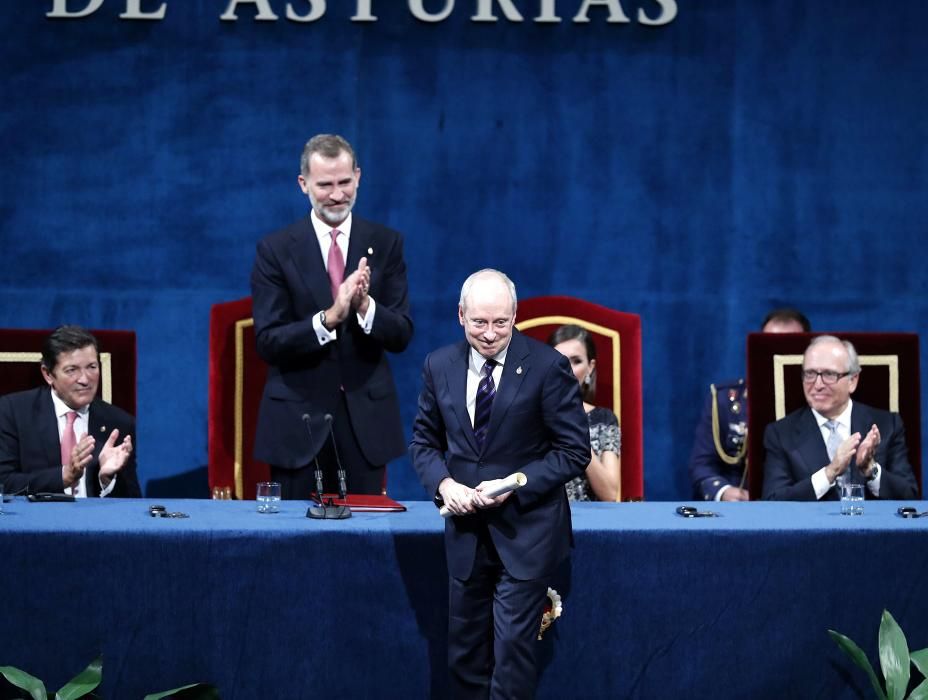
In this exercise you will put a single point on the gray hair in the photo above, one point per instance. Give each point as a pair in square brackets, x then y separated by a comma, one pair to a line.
[488, 272]
[327, 146]
[853, 360]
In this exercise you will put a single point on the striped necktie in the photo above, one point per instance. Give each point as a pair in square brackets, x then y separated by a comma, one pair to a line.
[486, 392]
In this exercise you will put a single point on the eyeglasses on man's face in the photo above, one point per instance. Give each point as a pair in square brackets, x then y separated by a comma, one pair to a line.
[828, 376]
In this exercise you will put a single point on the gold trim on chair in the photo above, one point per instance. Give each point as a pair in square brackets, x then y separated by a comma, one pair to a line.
[602, 330]
[779, 382]
[106, 376]
[238, 449]
[106, 368]
[20, 357]
[891, 362]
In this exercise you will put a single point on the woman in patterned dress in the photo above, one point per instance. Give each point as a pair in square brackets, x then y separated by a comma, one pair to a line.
[601, 480]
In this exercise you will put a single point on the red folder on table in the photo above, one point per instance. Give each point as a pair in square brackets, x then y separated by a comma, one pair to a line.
[362, 503]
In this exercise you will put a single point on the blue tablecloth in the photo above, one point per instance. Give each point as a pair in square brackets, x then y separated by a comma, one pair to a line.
[655, 605]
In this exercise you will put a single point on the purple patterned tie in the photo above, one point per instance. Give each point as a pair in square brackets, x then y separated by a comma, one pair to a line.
[486, 391]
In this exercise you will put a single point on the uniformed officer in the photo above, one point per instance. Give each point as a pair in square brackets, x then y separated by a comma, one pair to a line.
[718, 465]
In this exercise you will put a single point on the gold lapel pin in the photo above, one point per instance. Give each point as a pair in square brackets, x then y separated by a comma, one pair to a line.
[102, 428]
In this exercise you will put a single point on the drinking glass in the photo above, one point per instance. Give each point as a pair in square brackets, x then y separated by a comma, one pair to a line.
[268, 497]
[852, 499]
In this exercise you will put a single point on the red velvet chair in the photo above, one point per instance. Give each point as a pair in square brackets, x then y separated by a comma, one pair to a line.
[617, 336]
[889, 379]
[21, 356]
[236, 380]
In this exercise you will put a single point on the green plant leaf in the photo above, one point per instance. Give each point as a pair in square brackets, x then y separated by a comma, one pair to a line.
[920, 659]
[84, 682]
[894, 657]
[24, 681]
[920, 692]
[204, 692]
[858, 657]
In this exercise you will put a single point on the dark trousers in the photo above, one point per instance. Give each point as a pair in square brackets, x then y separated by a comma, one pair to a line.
[492, 630]
[360, 475]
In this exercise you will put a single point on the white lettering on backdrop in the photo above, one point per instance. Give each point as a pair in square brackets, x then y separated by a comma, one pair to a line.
[652, 13]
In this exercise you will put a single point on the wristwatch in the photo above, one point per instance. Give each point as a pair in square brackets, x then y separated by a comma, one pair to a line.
[874, 470]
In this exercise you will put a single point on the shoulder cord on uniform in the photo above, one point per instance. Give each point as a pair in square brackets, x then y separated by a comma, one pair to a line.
[723, 455]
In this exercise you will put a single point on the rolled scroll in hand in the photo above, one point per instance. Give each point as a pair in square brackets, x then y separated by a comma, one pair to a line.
[510, 483]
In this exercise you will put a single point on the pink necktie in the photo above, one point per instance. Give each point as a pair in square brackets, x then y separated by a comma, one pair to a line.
[68, 438]
[336, 265]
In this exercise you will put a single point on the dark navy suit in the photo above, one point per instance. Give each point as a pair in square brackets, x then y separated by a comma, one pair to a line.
[349, 377]
[537, 426]
[795, 450]
[30, 449]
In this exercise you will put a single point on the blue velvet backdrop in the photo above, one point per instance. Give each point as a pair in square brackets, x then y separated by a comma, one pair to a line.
[743, 156]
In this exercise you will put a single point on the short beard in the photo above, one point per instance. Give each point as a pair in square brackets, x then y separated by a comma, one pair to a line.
[326, 216]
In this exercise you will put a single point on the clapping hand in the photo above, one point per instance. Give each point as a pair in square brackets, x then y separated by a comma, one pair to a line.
[352, 294]
[81, 456]
[113, 457]
[361, 300]
[867, 449]
[842, 458]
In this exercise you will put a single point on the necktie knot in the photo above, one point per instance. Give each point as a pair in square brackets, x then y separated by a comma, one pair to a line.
[488, 367]
[71, 417]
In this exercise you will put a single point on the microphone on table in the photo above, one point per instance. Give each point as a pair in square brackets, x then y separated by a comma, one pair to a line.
[342, 488]
[309, 427]
[326, 510]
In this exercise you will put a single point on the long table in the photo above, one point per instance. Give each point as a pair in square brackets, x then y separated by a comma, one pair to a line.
[655, 605]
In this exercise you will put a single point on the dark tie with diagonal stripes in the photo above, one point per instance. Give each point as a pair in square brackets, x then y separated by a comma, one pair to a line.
[486, 391]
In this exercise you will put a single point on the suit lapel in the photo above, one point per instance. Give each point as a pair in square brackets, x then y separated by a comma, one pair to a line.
[514, 372]
[457, 389]
[811, 445]
[306, 255]
[97, 428]
[861, 420]
[47, 422]
[364, 243]
[358, 244]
